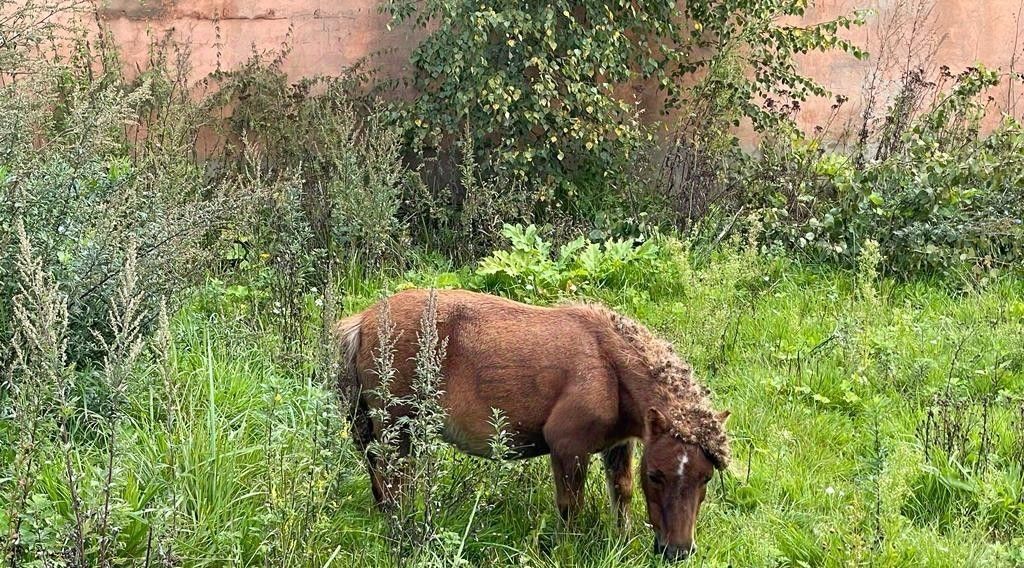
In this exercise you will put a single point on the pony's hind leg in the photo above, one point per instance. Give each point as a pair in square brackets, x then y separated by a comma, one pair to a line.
[618, 472]
[363, 435]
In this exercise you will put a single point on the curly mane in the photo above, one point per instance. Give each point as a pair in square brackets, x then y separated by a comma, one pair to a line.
[686, 405]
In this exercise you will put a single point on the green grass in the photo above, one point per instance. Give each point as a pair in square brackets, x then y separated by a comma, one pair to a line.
[830, 392]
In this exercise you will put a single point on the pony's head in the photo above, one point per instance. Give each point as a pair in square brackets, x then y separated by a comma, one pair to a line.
[676, 473]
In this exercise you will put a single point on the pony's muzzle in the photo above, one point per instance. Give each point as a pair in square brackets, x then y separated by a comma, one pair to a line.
[672, 553]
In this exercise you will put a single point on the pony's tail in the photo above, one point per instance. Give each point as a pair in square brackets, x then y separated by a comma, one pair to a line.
[347, 334]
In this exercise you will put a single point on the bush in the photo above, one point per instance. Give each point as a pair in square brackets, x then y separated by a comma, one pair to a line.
[529, 271]
[328, 140]
[465, 219]
[942, 197]
[533, 84]
[326, 183]
[539, 86]
[86, 194]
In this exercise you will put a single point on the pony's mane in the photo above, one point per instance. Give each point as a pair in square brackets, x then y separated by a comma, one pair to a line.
[687, 405]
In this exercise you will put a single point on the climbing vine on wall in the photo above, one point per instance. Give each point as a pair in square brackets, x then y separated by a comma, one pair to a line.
[544, 87]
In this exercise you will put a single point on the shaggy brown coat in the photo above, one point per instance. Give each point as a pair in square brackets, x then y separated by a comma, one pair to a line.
[570, 380]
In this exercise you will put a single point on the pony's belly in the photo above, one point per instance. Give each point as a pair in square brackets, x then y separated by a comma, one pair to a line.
[466, 441]
[531, 449]
[521, 444]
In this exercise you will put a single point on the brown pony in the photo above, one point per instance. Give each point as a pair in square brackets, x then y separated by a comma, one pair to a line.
[570, 381]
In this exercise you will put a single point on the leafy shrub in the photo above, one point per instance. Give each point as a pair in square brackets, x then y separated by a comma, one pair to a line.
[751, 70]
[327, 185]
[945, 196]
[534, 84]
[529, 269]
[540, 87]
[464, 219]
[68, 172]
[329, 141]
[45, 394]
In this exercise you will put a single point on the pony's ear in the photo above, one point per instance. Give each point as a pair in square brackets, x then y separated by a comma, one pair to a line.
[723, 416]
[656, 422]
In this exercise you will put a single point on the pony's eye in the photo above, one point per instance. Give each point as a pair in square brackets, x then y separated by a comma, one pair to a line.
[655, 476]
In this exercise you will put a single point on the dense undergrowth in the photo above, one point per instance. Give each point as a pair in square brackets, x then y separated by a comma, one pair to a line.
[875, 423]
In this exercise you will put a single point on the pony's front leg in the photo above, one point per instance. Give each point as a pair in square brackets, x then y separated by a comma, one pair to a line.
[570, 471]
[618, 471]
[574, 429]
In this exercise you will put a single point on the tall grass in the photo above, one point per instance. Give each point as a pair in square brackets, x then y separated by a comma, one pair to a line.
[840, 400]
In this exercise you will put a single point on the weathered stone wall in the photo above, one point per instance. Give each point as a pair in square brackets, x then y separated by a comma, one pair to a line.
[904, 34]
[327, 36]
